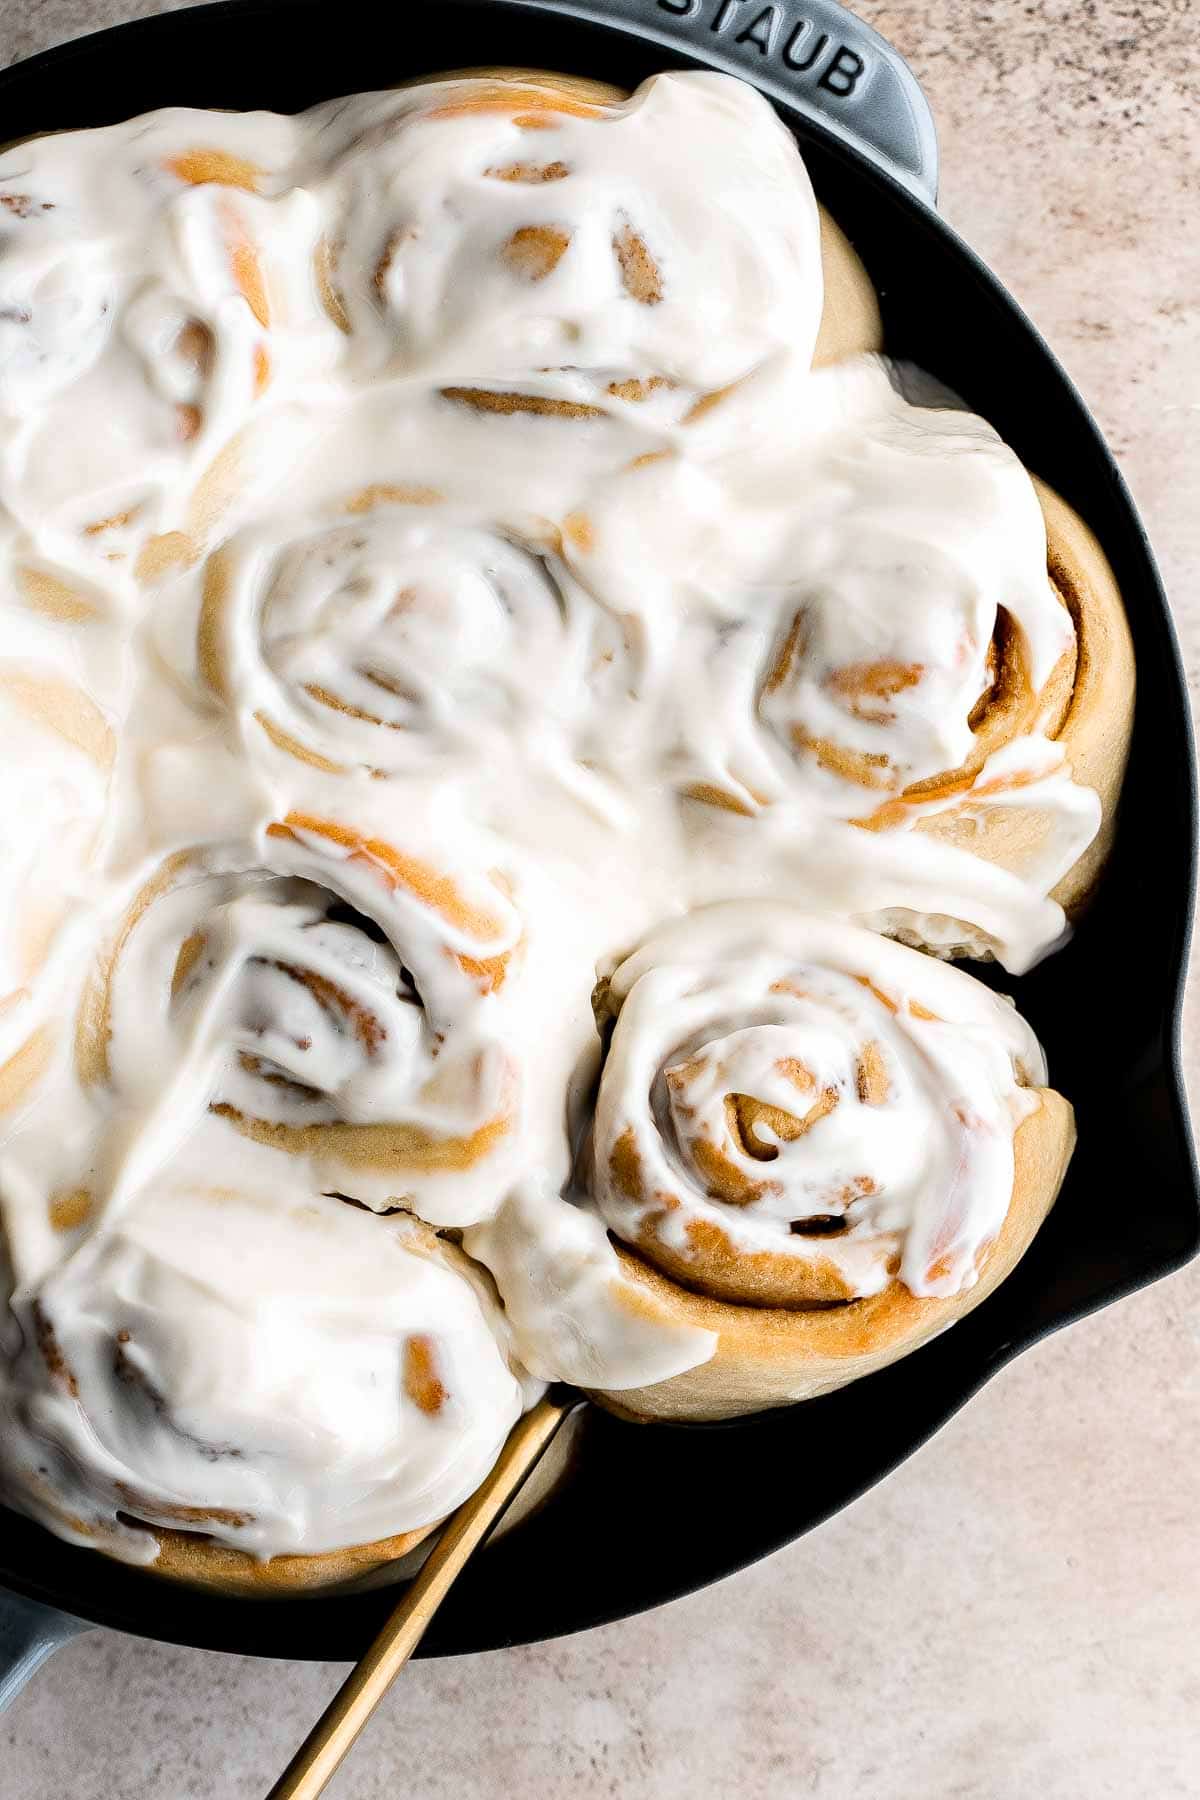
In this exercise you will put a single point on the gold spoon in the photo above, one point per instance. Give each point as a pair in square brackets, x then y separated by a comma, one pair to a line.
[321, 1753]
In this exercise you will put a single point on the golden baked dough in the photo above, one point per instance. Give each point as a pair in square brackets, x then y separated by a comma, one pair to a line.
[771, 1356]
[193, 1540]
[1094, 717]
[199, 1562]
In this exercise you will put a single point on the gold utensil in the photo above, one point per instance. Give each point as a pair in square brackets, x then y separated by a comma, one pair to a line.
[321, 1753]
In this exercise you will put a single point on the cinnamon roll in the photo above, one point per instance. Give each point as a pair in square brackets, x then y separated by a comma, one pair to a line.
[821, 1147]
[254, 1387]
[938, 645]
[399, 633]
[539, 247]
[143, 309]
[330, 995]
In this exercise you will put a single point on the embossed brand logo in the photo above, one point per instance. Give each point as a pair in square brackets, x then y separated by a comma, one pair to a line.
[773, 33]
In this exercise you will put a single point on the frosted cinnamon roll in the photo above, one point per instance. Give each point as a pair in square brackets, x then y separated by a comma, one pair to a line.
[938, 646]
[819, 1145]
[540, 246]
[331, 995]
[395, 631]
[142, 282]
[253, 1386]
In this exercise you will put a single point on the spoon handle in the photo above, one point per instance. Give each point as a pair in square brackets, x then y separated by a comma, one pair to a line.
[321, 1753]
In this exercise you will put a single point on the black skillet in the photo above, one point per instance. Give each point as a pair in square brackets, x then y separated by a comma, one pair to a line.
[1107, 1007]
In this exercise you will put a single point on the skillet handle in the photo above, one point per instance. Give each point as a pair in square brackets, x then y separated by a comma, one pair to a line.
[29, 1633]
[811, 55]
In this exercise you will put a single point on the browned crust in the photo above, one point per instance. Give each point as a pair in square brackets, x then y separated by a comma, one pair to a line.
[1098, 721]
[198, 1561]
[187, 1556]
[1099, 724]
[395, 1148]
[710, 1261]
[398, 870]
[770, 1356]
[191, 1557]
[572, 87]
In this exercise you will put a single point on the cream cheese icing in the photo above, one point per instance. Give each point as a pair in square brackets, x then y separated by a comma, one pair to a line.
[276, 1370]
[809, 1091]
[404, 508]
[477, 240]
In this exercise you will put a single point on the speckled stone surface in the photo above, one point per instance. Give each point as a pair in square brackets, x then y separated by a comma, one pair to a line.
[1016, 1612]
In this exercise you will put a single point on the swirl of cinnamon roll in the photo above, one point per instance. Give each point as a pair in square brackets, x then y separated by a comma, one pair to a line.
[400, 629]
[253, 1384]
[796, 1114]
[331, 995]
[539, 246]
[141, 288]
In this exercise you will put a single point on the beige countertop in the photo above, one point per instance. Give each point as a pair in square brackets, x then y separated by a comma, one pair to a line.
[1016, 1612]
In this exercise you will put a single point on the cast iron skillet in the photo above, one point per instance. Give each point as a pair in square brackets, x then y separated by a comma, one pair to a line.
[1106, 1008]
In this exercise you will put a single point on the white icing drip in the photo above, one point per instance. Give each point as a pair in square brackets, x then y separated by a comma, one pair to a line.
[569, 1307]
